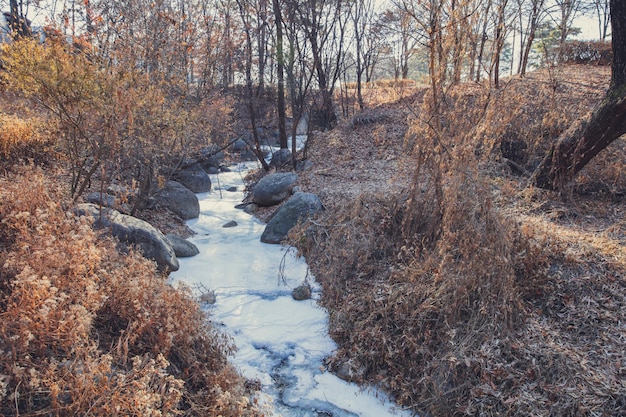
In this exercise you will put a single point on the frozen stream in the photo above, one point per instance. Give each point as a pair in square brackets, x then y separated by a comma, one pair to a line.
[280, 341]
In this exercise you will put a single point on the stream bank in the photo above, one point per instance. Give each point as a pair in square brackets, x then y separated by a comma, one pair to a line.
[281, 342]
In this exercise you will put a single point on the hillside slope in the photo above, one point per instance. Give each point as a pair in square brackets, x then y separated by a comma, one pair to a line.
[449, 282]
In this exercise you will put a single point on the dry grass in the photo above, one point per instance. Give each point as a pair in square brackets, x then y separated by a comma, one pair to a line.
[24, 139]
[452, 285]
[88, 331]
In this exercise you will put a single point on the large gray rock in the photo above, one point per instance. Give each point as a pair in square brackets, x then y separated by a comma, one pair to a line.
[180, 200]
[240, 145]
[299, 207]
[133, 231]
[182, 247]
[281, 158]
[194, 178]
[273, 188]
[101, 199]
[211, 157]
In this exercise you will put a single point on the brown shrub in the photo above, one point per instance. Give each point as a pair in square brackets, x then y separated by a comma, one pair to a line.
[87, 331]
[459, 305]
[415, 313]
[24, 140]
[585, 52]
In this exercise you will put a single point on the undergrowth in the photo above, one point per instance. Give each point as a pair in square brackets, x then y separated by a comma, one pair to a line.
[24, 140]
[85, 330]
[456, 300]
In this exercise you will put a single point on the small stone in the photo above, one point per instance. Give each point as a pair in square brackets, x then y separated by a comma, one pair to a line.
[232, 189]
[231, 223]
[303, 292]
[208, 297]
[251, 208]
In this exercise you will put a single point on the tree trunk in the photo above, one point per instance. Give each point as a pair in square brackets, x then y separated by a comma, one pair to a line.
[607, 123]
[282, 131]
[17, 21]
[255, 134]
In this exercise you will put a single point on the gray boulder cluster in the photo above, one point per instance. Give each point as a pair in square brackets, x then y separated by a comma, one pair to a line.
[179, 196]
[131, 231]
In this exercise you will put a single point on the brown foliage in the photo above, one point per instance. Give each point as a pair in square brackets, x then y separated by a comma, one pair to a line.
[463, 293]
[585, 52]
[25, 139]
[113, 121]
[87, 331]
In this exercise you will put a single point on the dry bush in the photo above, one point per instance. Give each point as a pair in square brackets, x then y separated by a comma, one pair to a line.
[418, 286]
[114, 122]
[458, 306]
[384, 83]
[419, 314]
[585, 52]
[22, 139]
[541, 106]
[88, 331]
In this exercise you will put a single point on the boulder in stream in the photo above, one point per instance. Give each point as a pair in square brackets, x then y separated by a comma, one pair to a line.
[301, 292]
[180, 200]
[273, 188]
[195, 178]
[133, 231]
[298, 207]
[281, 158]
[182, 247]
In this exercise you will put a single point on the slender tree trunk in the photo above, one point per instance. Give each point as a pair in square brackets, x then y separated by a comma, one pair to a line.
[255, 135]
[17, 21]
[607, 123]
[483, 40]
[532, 30]
[326, 111]
[280, 59]
[499, 42]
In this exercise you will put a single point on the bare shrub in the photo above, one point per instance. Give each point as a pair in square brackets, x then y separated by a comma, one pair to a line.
[585, 52]
[115, 122]
[22, 139]
[454, 294]
[418, 285]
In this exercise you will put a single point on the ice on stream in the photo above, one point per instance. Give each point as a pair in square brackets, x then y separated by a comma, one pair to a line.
[280, 341]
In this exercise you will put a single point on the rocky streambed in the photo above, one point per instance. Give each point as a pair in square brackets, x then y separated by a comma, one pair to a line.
[247, 284]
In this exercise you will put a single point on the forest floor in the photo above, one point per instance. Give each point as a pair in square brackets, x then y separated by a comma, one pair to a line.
[452, 283]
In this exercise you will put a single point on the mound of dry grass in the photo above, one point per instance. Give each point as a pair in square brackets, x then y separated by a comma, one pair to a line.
[24, 139]
[462, 292]
[87, 331]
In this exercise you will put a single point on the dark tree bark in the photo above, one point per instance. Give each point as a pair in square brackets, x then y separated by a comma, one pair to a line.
[533, 25]
[607, 123]
[278, 20]
[255, 134]
[19, 25]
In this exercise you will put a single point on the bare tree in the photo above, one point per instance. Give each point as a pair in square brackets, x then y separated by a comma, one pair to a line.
[280, 57]
[324, 25]
[501, 32]
[362, 15]
[299, 74]
[535, 12]
[603, 12]
[566, 13]
[583, 141]
[20, 26]
[244, 14]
